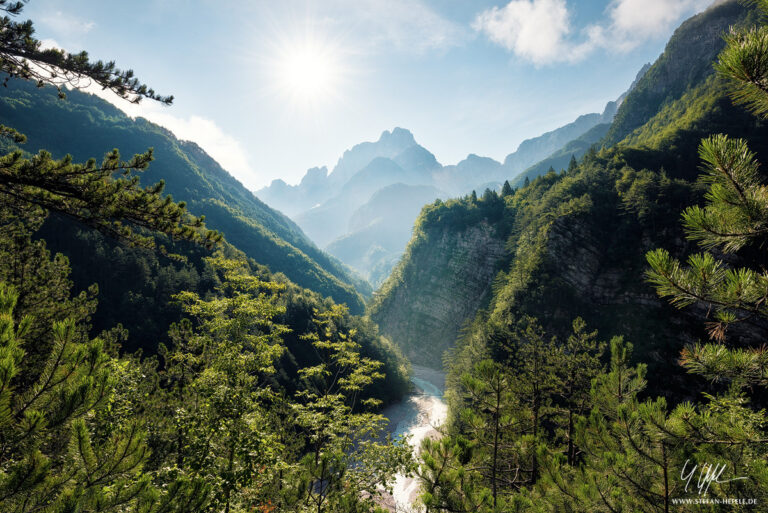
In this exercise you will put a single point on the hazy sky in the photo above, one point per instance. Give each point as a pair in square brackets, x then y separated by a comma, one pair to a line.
[271, 88]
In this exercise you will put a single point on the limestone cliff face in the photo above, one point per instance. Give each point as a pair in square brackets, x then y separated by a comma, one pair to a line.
[594, 268]
[440, 285]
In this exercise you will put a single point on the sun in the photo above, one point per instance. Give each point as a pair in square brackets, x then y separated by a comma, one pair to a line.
[309, 72]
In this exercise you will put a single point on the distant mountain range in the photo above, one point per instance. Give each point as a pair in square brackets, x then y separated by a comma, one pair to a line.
[331, 208]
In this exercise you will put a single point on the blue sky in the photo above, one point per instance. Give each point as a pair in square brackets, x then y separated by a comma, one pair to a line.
[271, 88]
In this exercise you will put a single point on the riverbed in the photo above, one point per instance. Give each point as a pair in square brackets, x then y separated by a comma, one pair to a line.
[417, 415]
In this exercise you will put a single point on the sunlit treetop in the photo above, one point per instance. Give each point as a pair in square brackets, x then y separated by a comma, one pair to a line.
[22, 56]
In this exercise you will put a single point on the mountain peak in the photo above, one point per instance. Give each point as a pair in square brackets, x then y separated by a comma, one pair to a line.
[398, 136]
[278, 182]
[473, 158]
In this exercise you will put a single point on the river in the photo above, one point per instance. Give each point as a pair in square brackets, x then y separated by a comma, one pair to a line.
[417, 416]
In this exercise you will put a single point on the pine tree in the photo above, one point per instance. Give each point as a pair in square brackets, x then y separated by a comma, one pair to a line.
[536, 380]
[50, 459]
[491, 417]
[89, 194]
[41, 283]
[629, 459]
[577, 363]
[447, 485]
[506, 189]
[743, 63]
[735, 216]
[573, 164]
[22, 56]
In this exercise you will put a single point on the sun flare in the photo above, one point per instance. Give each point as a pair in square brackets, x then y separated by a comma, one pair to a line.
[309, 72]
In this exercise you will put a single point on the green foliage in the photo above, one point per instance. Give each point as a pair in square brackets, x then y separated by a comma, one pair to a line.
[232, 421]
[622, 453]
[60, 450]
[87, 193]
[744, 62]
[347, 461]
[85, 429]
[213, 415]
[221, 418]
[737, 201]
[530, 395]
[734, 217]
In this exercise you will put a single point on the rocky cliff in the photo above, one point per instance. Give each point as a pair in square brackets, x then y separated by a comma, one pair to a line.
[439, 285]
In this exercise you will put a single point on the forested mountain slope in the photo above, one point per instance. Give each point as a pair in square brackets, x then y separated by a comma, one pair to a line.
[686, 62]
[575, 242]
[86, 126]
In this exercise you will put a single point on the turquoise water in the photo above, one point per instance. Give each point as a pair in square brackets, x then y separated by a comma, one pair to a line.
[416, 416]
[427, 387]
[408, 414]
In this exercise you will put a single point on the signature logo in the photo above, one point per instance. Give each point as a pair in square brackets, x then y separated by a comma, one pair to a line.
[707, 475]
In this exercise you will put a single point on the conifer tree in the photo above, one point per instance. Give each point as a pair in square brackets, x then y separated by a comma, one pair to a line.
[536, 381]
[491, 416]
[106, 196]
[41, 283]
[58, 453]
[89, 194]
[23, 56]
[628, 458]
[577, 363]
[573, 164]
[735, 216]
[506, 189]
[447, 484]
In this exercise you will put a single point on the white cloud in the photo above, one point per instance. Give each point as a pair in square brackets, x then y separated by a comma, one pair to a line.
[541, 31]
[224, 148]
[47, 44]
[536, 30]
[634, 21]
